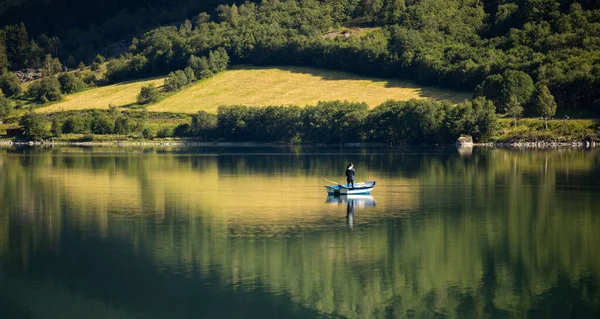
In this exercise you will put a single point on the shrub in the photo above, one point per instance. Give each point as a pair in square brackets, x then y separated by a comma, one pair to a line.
[164, 132]
[95, 66]
[56, 126]
[182, 130]
[148, 94]
[101, 124]
[5, 107]
[89, 78]
[123, 125]
[74, 124]
[69, 83]
[99, 59]
[148, 133]
[45, 90]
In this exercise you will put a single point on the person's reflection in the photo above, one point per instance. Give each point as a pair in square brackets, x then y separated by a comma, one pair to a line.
[350, 213]
[352, 202]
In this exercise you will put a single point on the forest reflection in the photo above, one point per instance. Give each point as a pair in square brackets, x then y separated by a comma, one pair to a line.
[491, 233]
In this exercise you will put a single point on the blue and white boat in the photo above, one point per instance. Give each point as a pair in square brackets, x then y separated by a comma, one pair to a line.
[359, 188]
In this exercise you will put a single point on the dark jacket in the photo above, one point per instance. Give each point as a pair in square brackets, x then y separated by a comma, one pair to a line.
[350, 173]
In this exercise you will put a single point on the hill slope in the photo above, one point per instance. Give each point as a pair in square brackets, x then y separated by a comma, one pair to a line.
[120, 94]
[257, 86]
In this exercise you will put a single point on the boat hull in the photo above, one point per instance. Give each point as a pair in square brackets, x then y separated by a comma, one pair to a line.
[359, 188]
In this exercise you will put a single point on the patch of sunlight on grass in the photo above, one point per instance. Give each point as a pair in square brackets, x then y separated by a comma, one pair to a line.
[263, 86]
[259, 86]
[120, 94]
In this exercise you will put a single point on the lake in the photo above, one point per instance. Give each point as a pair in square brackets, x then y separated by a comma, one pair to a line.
[249, 232]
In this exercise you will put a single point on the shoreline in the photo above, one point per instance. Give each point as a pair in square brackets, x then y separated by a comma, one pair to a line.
[186, 143]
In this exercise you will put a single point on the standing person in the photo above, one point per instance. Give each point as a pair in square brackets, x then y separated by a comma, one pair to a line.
[350, 174]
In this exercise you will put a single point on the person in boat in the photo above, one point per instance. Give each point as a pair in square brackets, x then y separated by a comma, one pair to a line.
[350, 174]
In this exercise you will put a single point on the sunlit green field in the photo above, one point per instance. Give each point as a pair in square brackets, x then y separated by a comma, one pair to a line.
[120, 94]
[257, 86]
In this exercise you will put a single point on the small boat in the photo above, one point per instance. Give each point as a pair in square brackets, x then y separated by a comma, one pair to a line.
[359, 188]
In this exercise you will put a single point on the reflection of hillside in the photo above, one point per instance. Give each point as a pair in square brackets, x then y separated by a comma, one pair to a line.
[499, 233]
[207, 184]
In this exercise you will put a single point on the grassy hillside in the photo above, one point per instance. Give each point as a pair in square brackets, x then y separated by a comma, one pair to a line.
[120, 94]
[256, 86]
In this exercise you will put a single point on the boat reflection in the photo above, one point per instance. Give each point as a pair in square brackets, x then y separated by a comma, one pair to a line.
[352, 202]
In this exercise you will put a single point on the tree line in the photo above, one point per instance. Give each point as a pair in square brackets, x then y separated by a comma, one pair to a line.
[393, 122]
[80, 29]
[505, 51]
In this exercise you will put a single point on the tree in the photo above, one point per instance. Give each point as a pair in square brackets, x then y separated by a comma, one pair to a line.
[390, 11]
[10, 84]
[71, 62]
[81, 66]
[476, 118]
[69, 83]
[205, 69]
[33, 126]
[484, 123]
[200, 67]
[148, 94]
[99, 59]
[56, 126]
[203, 124]
[518, 84]
[17, 44]
[544, 103]
[218, 60]
[175, 81]
[229, 14]
[189, 73]
[334, 121]
[514, 108]
[5, 107]
[500, 88]
[45, 90]
[371, 8]
[4, 63]
[51, 66]
[186, 28]
[201, 19]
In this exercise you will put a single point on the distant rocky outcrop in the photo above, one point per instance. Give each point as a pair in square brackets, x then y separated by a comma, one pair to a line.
[26, 75]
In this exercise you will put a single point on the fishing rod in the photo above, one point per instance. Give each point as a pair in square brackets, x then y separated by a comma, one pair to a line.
[336, 183]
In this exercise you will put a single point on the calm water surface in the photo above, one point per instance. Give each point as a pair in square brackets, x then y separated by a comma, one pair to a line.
[250, 233]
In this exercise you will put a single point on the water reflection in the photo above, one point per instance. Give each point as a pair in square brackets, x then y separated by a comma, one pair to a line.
[501, 233]
[351, 202]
